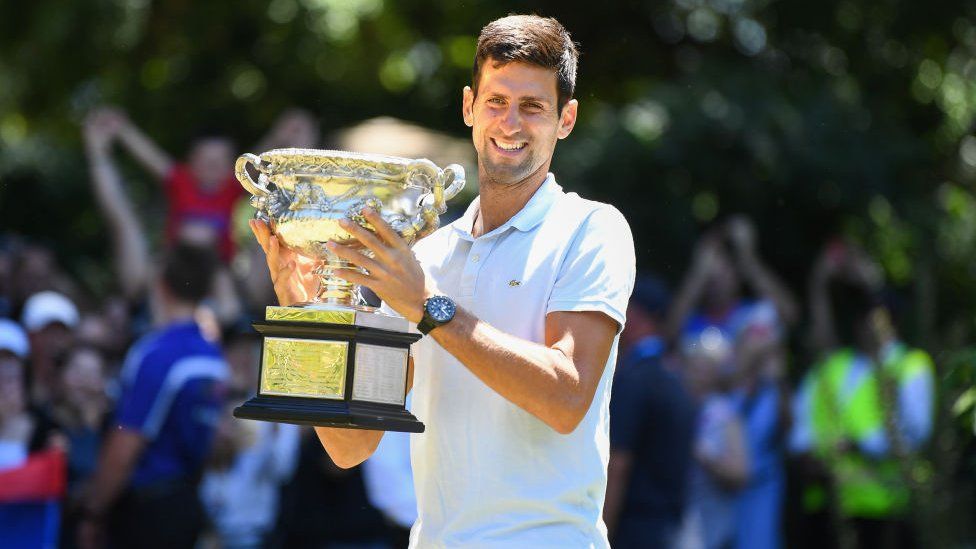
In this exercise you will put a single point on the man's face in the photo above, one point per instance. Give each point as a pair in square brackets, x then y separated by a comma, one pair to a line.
[515, 120]
[212, 161]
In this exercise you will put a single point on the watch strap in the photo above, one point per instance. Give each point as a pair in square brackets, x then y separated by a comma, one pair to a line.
[426, 324]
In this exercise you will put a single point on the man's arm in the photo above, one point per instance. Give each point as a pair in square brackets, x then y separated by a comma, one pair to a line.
[692, 287]
[762, 280]
[154, 159]
[128, 238]
[116, 462]
[554, 381]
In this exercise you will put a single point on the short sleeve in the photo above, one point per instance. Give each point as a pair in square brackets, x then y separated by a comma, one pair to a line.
[598, 270]
[139, 395]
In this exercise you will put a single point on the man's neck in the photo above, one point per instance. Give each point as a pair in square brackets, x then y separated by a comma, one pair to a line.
[499, 203]
[173, 313]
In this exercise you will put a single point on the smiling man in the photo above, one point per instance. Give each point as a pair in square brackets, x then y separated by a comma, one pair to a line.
[522, 299]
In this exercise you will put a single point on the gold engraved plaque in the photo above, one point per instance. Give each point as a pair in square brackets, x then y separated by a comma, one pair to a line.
[381, 374]
[300, 314]
[304, 367]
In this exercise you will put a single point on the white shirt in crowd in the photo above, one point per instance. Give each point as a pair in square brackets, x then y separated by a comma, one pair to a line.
[243, 500]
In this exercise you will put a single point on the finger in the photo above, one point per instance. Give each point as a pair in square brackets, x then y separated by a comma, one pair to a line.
[356, 277]
[368, 239]
[261, 233]
[273, 256]
[355, 257]
[383, 229]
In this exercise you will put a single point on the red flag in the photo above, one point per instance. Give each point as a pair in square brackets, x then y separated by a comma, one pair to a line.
[42, 477]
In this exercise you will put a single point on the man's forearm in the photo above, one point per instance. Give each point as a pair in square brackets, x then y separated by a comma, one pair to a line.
[145, 151]
[130, 247]
[768, 286]
[116, 463]
[541, 380]
[348, 447]
[685, 302]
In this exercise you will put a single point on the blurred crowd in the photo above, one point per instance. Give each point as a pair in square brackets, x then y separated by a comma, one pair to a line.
[737, 422]
[740, 417]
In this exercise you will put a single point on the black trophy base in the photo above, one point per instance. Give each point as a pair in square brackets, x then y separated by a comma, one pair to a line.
[329, 413]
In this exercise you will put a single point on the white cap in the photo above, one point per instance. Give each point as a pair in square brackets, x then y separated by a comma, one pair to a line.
[13, 338]
[43, 308]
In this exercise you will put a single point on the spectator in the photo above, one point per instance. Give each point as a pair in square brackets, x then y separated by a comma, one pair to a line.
[35, 270]
[712, 300]
[240, 488]
[31, 455]
[50, 319]
[652, 422]
[144, 491]
[294, 128]
[81, 412]
[201, 191]
[721, 460]
[761, 400]
[865, 409]
[711, 294]
[13, 340]
[129, 241]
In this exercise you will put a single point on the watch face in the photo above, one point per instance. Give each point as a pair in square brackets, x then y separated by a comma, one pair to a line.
[440, 308]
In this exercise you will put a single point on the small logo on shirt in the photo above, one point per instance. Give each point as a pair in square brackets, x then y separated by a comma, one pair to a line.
[515, 283]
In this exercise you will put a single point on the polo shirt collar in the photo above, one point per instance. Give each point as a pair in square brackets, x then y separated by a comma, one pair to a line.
[525, 220]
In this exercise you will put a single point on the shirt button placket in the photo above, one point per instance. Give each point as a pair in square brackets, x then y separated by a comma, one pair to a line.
[472, 266]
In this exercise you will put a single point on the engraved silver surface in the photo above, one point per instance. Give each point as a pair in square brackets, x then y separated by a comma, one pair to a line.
[304, 193]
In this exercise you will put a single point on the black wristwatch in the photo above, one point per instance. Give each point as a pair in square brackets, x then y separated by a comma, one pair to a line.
[438, 310]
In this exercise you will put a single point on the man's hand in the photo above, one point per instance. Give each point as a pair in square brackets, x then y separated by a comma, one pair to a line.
[742, 235]
[705, 255]
[90, 533]
[395, 275]
[291, 274]
[100, 127]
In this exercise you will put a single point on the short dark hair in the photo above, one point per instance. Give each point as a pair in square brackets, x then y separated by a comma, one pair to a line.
[851, 304]
[188, 272]
[540, 41]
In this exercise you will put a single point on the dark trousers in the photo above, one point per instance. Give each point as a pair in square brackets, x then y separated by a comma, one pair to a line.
[645, 531]
[167, 515]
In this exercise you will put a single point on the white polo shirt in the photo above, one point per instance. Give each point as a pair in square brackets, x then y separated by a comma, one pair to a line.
[487, 473]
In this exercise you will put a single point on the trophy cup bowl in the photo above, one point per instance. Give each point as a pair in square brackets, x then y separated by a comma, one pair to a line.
[334, 360]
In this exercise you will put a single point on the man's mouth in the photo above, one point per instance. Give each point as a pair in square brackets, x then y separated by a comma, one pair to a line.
[509, 146]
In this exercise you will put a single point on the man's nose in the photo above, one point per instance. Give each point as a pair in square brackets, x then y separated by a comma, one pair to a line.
[511, 121]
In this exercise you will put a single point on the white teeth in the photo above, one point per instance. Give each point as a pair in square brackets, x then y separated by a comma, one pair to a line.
[510, 146]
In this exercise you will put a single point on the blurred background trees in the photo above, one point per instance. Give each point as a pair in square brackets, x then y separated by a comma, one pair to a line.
[817, 119]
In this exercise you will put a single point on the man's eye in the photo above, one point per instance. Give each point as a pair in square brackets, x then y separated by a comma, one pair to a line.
[532, 107]
[496, 101]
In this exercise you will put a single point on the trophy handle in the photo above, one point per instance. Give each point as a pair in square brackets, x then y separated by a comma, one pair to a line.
[434, 204]
[240, 170]
[453, 177]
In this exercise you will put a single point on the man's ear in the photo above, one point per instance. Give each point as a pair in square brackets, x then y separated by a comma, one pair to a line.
[467, 106]
[567, 118]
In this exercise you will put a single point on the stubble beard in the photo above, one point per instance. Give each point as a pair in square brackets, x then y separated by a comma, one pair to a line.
[499, 175]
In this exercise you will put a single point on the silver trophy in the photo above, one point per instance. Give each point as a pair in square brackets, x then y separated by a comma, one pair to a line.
[334, 360]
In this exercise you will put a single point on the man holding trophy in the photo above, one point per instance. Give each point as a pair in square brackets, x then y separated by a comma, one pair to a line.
[520, 301]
